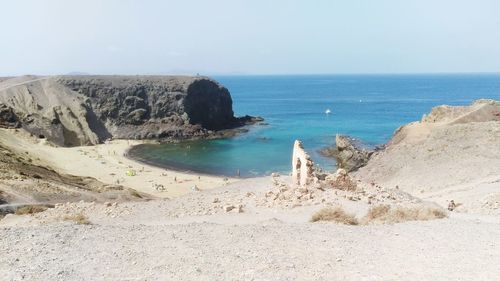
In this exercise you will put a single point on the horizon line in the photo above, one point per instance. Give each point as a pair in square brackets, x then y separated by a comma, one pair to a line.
[263, 74]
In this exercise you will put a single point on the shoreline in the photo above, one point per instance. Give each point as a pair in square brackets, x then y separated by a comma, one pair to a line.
[180, 170]
[109, 164]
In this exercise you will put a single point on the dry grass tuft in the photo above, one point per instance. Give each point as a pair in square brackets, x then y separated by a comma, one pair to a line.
[336, 214]
[381, 214]
[31, 209]
[386, 214]
[78, 219]
[377, 212]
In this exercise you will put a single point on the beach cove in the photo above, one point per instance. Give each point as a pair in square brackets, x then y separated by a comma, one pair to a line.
[108, 163]
[367, 107]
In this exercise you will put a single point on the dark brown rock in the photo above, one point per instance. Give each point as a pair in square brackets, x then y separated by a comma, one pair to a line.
[8, 118]
[349, 153]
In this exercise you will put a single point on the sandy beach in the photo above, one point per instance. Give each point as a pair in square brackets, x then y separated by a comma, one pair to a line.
[107, 163]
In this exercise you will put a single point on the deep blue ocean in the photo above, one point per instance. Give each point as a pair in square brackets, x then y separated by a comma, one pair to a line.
[368, 107]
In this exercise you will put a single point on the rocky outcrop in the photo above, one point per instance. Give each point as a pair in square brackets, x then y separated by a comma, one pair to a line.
[8, 119]
[482, 110]
[85, 110]
[349, 153]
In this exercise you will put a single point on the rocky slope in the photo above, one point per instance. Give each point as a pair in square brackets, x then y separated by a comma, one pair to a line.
[23, 182]
[452, 153]
[86, 110]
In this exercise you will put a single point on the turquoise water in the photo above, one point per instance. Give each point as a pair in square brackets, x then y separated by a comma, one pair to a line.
[368, 107]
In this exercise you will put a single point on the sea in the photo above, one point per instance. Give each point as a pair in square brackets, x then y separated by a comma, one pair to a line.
[367, 107]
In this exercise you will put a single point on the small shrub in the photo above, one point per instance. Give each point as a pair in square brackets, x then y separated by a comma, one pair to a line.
[377, 212]
[336, 214]
[386, 214]
[78, 219]
[31, 209]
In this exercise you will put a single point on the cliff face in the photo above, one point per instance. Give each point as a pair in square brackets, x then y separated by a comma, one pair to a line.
[85, 110]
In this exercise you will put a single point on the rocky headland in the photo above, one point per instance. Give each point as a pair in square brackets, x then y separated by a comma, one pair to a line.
[41, 116]
[86, 110]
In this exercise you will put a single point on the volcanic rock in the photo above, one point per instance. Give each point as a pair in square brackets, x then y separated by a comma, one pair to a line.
[86, 110]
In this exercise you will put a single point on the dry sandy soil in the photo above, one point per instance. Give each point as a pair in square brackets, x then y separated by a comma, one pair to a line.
[453, 153]
[190, 238]
[24, 179]
[260, 229]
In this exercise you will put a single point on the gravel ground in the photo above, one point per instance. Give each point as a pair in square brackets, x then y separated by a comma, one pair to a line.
[190, 238]
[458, 248]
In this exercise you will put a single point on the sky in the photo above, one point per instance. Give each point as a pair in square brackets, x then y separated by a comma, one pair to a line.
[225, 37]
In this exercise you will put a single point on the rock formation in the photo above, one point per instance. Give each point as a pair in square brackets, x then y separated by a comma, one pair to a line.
[304, 174]
[302, 165]
[86, 110]
[483, 110]
[349, 153]
[8, 119]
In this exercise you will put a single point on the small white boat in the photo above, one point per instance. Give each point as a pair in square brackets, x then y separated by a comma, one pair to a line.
[328, 111]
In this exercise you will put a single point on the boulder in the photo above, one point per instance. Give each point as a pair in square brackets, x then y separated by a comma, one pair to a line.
[349, 153]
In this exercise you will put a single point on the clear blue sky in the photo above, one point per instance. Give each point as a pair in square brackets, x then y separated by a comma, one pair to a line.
[248, 37]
